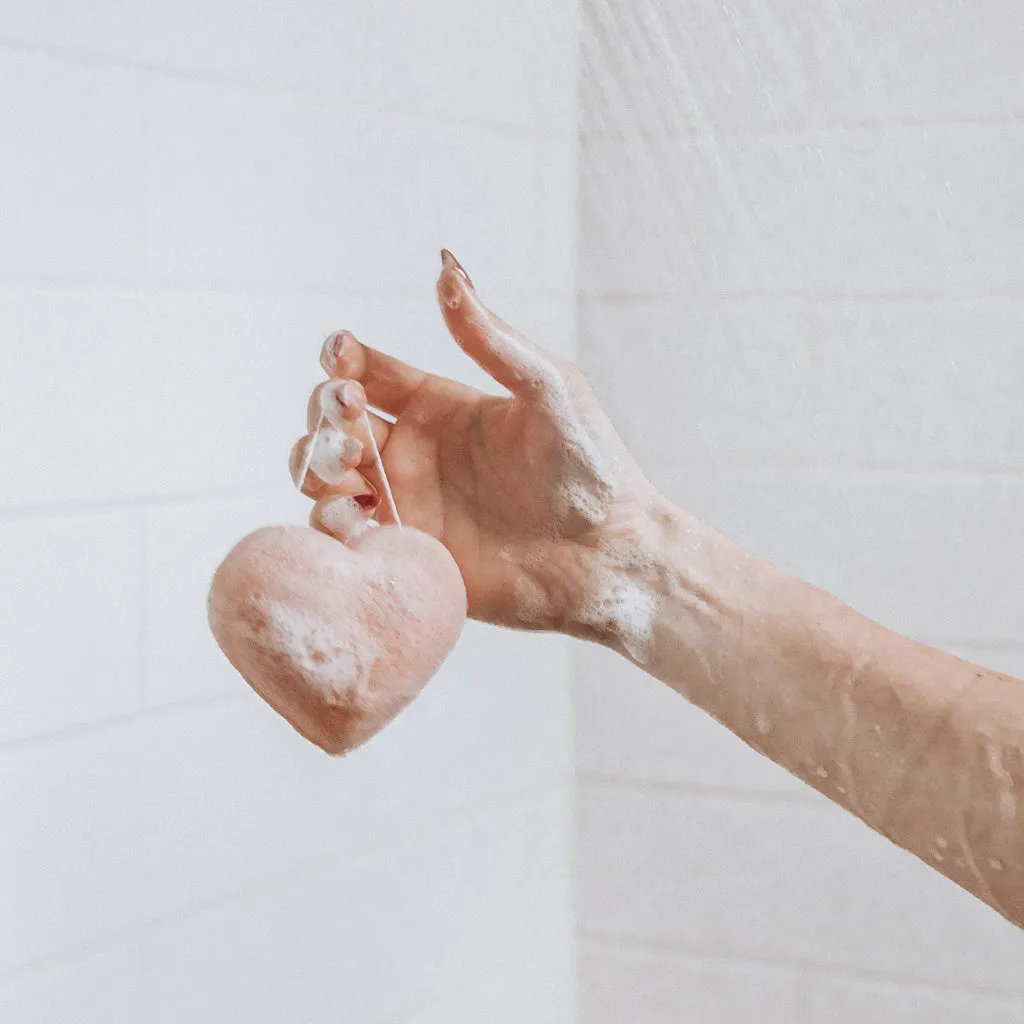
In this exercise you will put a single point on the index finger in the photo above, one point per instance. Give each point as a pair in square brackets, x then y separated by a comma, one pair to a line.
[389, 383]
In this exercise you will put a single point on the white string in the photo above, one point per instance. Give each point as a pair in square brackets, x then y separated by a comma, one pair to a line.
[311, 447]
[380, 469]
[309, 454]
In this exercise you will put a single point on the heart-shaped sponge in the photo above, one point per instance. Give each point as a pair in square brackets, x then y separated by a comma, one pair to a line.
[337, 638]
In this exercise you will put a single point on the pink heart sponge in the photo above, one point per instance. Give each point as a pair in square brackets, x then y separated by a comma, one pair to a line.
[337, 638]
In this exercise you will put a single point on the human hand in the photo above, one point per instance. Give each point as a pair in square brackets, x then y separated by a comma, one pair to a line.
[533, 494]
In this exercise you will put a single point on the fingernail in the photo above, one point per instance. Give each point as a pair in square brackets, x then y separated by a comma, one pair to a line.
[343, 402]
[331, 353]
[448, 260]
[351, 451]
[449, 293]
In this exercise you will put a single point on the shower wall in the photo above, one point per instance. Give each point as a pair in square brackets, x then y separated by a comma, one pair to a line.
[802, 301]
[192, 195]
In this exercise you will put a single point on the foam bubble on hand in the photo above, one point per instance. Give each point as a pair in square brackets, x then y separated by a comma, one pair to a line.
[342, 518]
[332, 450]
[622, 608]
[591, 480]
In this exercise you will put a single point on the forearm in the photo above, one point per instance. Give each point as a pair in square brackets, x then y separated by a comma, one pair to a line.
[924, 747]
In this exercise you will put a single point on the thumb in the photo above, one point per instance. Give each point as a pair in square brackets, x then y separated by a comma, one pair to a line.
[509, 357]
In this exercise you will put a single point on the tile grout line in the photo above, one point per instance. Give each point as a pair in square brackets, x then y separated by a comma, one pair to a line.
[147, 283]
[710, 296]
[143, 715]
[835, 468]
[469, 816]
[967, 474]
[144, 611]
[803, 795]
[732, 130]
[71, 508]
[362, 104]
[672, 950]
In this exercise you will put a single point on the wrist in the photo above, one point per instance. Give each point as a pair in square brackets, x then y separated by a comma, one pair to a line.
[625, 571]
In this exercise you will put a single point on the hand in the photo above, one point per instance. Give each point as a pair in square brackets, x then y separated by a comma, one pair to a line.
[533, 494]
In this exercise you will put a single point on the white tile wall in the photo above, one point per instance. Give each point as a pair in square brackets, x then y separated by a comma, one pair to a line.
[126, 825]
[779, 882]
[69, 622]
[806, 211]
[478, 188]
[923, 554]
[194, 197]
[692, 66]
[320, 47]
[283, 187]
[97, 988]
[759, 379]
[480, 58]
[555, 256]
[688, 66]
[515, 686]
[71, 169]
[443, 917]
[846, 1001]
[184, 544]
[371, 938]
[657, 988]
[271, 955]
[1008, 659]
[141, 821]
[84, 370]
[799, 252]
[951, 61]
[253, 189]
[630, 726]
[540, 994]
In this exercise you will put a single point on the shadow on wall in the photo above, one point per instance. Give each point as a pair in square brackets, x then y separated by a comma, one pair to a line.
[795, 223]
